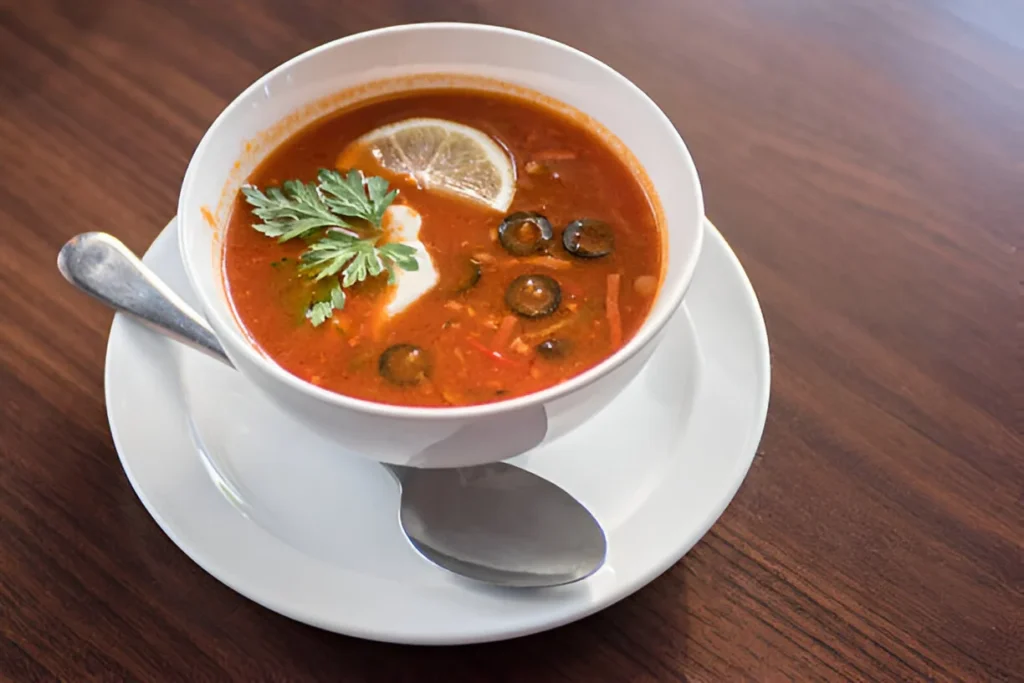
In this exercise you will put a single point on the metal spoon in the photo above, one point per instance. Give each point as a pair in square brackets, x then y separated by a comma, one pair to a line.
[494, 523]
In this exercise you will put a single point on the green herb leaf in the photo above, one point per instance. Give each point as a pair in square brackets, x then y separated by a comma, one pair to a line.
[401, 255]
[355, 196]
[337, 297]
[334, 250]
[293, 210]
[354, 259]
[320, 311]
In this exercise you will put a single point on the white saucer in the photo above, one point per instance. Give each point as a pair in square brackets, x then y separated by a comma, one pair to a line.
[312, 532]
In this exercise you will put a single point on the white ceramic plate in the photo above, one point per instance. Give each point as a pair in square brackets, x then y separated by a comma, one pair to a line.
[310, 531]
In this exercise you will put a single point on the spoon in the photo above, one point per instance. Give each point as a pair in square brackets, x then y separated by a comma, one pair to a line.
[494, 523]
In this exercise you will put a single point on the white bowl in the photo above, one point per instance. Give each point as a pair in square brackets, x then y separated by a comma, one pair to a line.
[402, 58]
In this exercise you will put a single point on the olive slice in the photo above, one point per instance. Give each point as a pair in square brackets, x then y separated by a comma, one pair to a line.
[525, 232]
[404, 364]
[470, 276]
[533, 295]
[553, 349]
[588, 238]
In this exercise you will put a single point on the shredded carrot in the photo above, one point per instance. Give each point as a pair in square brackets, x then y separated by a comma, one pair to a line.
[503, 336]
[611, 305]
[548, 262]
[554, 155]
[539, 261]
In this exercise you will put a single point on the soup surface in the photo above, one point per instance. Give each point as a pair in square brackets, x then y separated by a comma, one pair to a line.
[502, 298]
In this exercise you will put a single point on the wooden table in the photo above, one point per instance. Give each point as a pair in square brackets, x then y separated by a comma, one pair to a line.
[863, 157]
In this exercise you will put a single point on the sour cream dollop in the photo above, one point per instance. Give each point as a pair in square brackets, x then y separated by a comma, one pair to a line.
[402, 225]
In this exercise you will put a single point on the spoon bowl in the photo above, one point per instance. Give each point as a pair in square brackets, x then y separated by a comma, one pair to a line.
[494, 523]
[499, 524]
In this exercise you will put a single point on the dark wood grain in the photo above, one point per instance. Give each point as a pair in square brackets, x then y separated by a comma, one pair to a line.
[866, 160]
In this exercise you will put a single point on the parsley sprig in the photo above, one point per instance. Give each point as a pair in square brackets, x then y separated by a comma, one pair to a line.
[340, 216]
[355, 196]
[295, 209]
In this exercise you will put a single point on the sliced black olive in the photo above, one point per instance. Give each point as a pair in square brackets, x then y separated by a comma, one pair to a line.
[553, 349]
[404, 364]
[588, 238]
[534, 295]
[525, 232]
[470, 276]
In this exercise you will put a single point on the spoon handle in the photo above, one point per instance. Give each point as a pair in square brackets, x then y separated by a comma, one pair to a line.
[103, 267]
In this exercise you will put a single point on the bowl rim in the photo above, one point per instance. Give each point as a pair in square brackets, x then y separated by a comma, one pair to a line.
[233, 336]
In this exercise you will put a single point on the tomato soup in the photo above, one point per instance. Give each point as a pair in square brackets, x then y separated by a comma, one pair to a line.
[519, 251]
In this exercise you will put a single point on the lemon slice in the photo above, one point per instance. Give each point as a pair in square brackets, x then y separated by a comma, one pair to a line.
[448, 157]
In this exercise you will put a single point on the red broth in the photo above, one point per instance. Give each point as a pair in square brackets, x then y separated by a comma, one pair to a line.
[473, 348]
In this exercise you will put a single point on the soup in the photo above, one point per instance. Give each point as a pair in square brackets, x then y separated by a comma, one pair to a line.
[442, 248]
